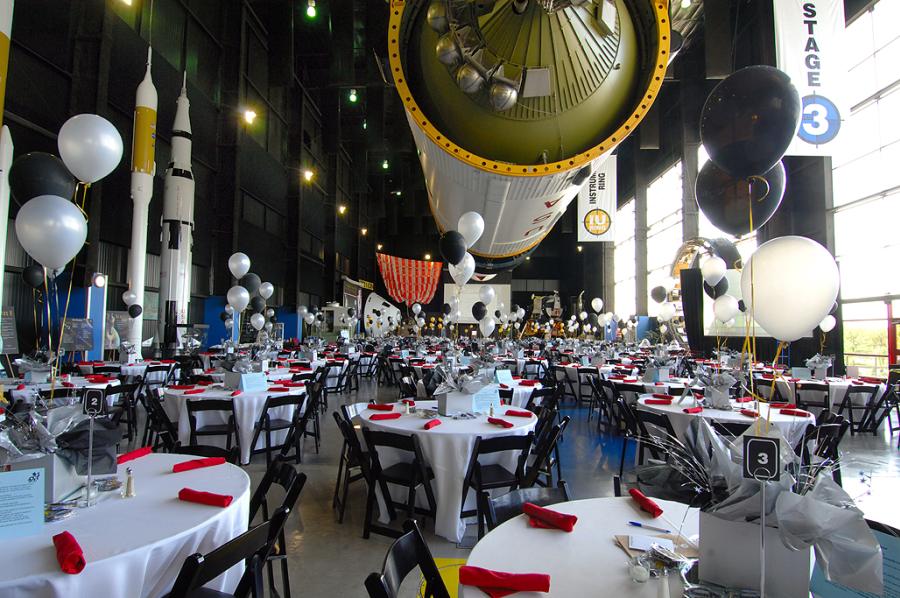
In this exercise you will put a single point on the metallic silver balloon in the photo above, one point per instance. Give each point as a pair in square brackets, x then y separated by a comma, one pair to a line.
[51, 229]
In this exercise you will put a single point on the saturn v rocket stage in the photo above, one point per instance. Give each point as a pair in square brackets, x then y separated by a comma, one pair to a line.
[514, 103]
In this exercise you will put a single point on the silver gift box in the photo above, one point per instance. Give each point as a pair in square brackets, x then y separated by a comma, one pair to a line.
[60, 479]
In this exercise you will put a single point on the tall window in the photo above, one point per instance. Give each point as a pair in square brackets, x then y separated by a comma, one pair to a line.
[625, 283]
[867, 186]
[664, 235]
[746, 244]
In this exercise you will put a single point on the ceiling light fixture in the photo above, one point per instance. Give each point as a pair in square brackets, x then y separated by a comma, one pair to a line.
[385, 165]
[353, 97]
[379, 246]
[308, 175]
[311, 9]
[579, 248]
[342, 209]
[363, 231]
[249, 116]
[427, 257]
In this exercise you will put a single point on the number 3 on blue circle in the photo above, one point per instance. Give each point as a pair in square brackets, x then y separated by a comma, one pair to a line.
[820, 120]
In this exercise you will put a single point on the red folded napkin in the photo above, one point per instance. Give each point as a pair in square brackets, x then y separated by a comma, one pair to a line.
[871, 380]
[205, 498]
[615, 377]
[68, 385]
[497, 584]
[181, 387]
[645, 503]
[659, 395]
[693, 410]
[768, 376]
[857, 382]
[528, 383]
[503, 385]
[409, 402]
[547, 518]
[659, 383]
[236, 393]
[135, 454]
[517, 413]
[20, 387]
[205, 382]
[210, 371]
[380, 407]
[517, 377]
[499, 422]
[743, 400]
[69, 553]
[432, 423]
[98, 379]
[381, 416]
[782, 406]
[749, 413]
[279, 389]
[197, 464]
[196, 391]
[289, 384]
[166, 361]
[795, 412]
[657, 401]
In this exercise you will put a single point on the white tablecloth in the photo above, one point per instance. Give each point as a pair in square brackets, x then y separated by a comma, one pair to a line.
[31, 389]
[448, 448]
[132, 369]
[134, 547]
[521, 394]
[792, 427]
[272, 374]
[837, 388]
[248, 407]
[334, 370]
[585, 562]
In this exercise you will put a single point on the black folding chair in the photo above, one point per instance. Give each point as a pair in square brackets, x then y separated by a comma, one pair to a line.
[408, 552]
[352, 465]
[267, 424]
[228, 428]
[232, 455]
[504, 507]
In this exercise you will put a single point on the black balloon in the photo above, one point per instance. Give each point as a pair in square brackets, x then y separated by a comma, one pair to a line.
[749, 120]
[453, 247]
[658, 294]
[224, 316]
[727, 201]
[446, 309]
[479, 311]
[251, 282]
[320, 317]
[351, 311]
[622, 325]
[33, 276]
[717, 291]
[135, 310]
[742, 306]
[497, 313]
[514, 308]
[258, 304]
[39, 173]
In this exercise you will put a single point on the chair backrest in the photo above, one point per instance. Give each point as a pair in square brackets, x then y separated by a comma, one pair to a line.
[543, 449]
[540, 398]
[407, 387]
[284, 401]
[253, 545]
[657, 420]
[160, 421]
[282, 474]
[107, 369]
[405, 554]
[205, 450]
[504, 507]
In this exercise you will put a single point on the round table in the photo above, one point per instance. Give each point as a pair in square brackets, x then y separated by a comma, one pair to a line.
[136, 546]
[448, 449]
[248, 406]
[792, 427]
[585, 562]
[272, 374]
[12, 387]
[521, 393]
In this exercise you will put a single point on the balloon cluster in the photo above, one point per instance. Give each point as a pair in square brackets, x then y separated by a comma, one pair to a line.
[455, 244]
[746, 126]
[250, 292]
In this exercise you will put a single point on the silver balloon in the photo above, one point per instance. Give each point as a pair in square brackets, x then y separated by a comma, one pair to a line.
[90, 146]
[239, 264]
[302, 310]
[309, 319]
[229, 310]
[238, 298]
[269, 326]
[265, 290]
[129, 297]
[270, 312]
[447, 52]
[51, 229]
[503, 96]
[469, 80]
[229, 323]
[471, 227]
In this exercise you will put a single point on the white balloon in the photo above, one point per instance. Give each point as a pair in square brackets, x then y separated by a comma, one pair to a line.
[238, 298]
[269, 326]
[266, 289]
[257, 321]
[828, 323]
[516, 325]
[616, 318]
[597, 304]
[504, 318]
[666, 312]
[486, 294]
[239, 264]
[487, 326]
[663, 329]
[713, 270]
[51, 229]
[416, 329]
[454, 303]
[129, 297]
[228, 309]
[471, 227]
[463, 271]
[302, 310]
[789, 285]
[730, 323]
[521, 313]
[572, 318]
[725, 308]
[90, 146]
[583, 316]
[309, 318]
[501, 306]
[229, 323]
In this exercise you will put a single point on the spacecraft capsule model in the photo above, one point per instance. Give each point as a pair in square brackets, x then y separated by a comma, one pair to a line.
[143, 167]
[514, 103]
[177, 228]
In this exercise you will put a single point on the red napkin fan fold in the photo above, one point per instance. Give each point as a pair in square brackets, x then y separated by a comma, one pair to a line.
[69, 553]
[181, 387]
[197, 464]
[658, 401]
[205, 498]
[548, 518]
[236, 393]
[744, 400]
[528, 383]
[645, 503]
[497, 584]
[279, 389]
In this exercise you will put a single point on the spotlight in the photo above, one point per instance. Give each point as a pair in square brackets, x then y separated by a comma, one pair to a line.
[249, 116]
[579, 248]
[427, 257]
[363, 231]
[365, 125]
[353, 97]
[99, 280]
[527, 258]
[342, 209]
[308, 175]
[379, 246]
[385, 165]
[311, 9]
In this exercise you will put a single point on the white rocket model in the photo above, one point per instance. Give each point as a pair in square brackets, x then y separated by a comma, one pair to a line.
[6, 144]
[143, 167]
[177, 228]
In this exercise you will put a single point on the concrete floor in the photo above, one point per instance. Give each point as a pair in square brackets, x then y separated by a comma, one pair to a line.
[331, 559]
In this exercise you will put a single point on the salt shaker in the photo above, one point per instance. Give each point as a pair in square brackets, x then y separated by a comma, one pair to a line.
[129, 484]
